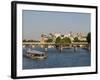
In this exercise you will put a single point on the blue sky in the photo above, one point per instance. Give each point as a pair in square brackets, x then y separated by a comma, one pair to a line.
[36, 22]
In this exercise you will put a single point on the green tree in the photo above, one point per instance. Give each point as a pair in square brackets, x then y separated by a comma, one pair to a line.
[62, 41]
[89, 37]
[50, 40]
[58, 40]
[67, 40]
[76, 39]
[24, 40]
[62, 35]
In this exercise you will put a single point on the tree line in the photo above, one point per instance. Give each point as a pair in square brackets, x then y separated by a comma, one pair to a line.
[64, 40]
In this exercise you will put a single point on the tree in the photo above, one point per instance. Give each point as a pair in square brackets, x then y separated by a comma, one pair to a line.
[67, 40]
[62, 42]
[58, 40]
[24, 40]
[49, 40]
[89, 37]
[76, 39]
[62, 35]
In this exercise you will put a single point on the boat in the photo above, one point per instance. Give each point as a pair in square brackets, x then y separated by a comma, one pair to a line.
[34, 54]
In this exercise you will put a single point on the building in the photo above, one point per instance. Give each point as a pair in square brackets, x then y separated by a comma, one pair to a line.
[57, 35]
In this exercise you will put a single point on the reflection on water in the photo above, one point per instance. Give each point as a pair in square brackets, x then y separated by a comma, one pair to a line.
[66, 58]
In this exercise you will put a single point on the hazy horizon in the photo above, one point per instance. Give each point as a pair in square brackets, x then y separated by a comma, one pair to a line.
[34, 23]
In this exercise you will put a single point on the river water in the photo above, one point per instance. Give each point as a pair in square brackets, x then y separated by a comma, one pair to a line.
[55, 59]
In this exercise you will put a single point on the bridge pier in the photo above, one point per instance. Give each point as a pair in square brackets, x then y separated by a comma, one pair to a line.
[75, 48]
[61, 48]
[89, 47]
[46, 49]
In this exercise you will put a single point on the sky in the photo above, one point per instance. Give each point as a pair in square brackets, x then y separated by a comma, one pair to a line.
[34, 23]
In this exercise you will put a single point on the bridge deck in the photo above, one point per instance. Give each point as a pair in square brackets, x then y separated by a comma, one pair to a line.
[38, 43]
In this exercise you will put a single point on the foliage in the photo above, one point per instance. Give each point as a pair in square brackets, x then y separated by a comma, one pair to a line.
[58, 40]
[67, 40]
[49, 40]
[62, 35]
[63, 41]
[76, 39]
[89, 37]
[24, 40]
[31, 40]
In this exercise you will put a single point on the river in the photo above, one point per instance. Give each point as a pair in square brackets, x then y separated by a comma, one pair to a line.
[55, 59]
